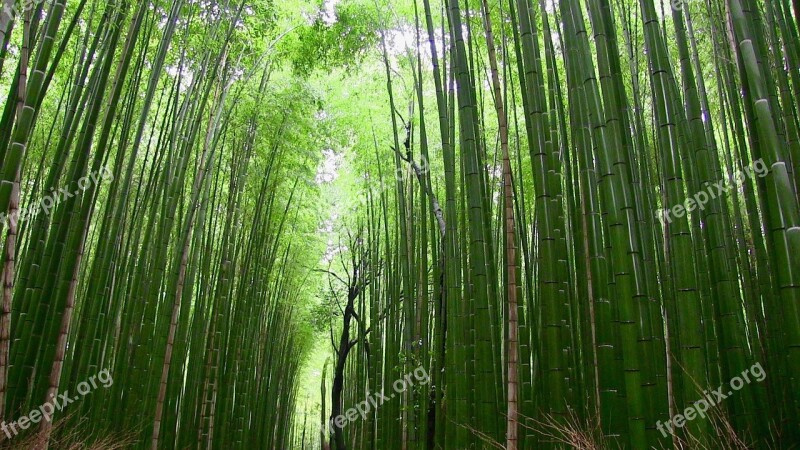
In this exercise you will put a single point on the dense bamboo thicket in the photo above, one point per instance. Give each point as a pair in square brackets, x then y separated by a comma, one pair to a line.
[607, 234]
[151, 147]
[402, 224]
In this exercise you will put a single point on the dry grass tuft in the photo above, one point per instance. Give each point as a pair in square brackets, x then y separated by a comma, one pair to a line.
[68, 434]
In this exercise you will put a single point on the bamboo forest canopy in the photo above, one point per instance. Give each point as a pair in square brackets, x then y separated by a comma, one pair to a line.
[400, 224]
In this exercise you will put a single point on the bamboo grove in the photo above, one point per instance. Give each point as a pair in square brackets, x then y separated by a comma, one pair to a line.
[567, 222]
[540, 271]
[174, 270]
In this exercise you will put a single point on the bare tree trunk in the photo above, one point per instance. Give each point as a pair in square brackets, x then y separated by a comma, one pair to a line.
[324, 430]
[11, 237]
[338, 374]
[512, 347]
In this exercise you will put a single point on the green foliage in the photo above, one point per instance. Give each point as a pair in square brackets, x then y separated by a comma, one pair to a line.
[195, 274]
[341, 38]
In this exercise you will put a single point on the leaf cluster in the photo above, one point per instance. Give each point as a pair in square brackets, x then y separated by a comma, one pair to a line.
[340, 39]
